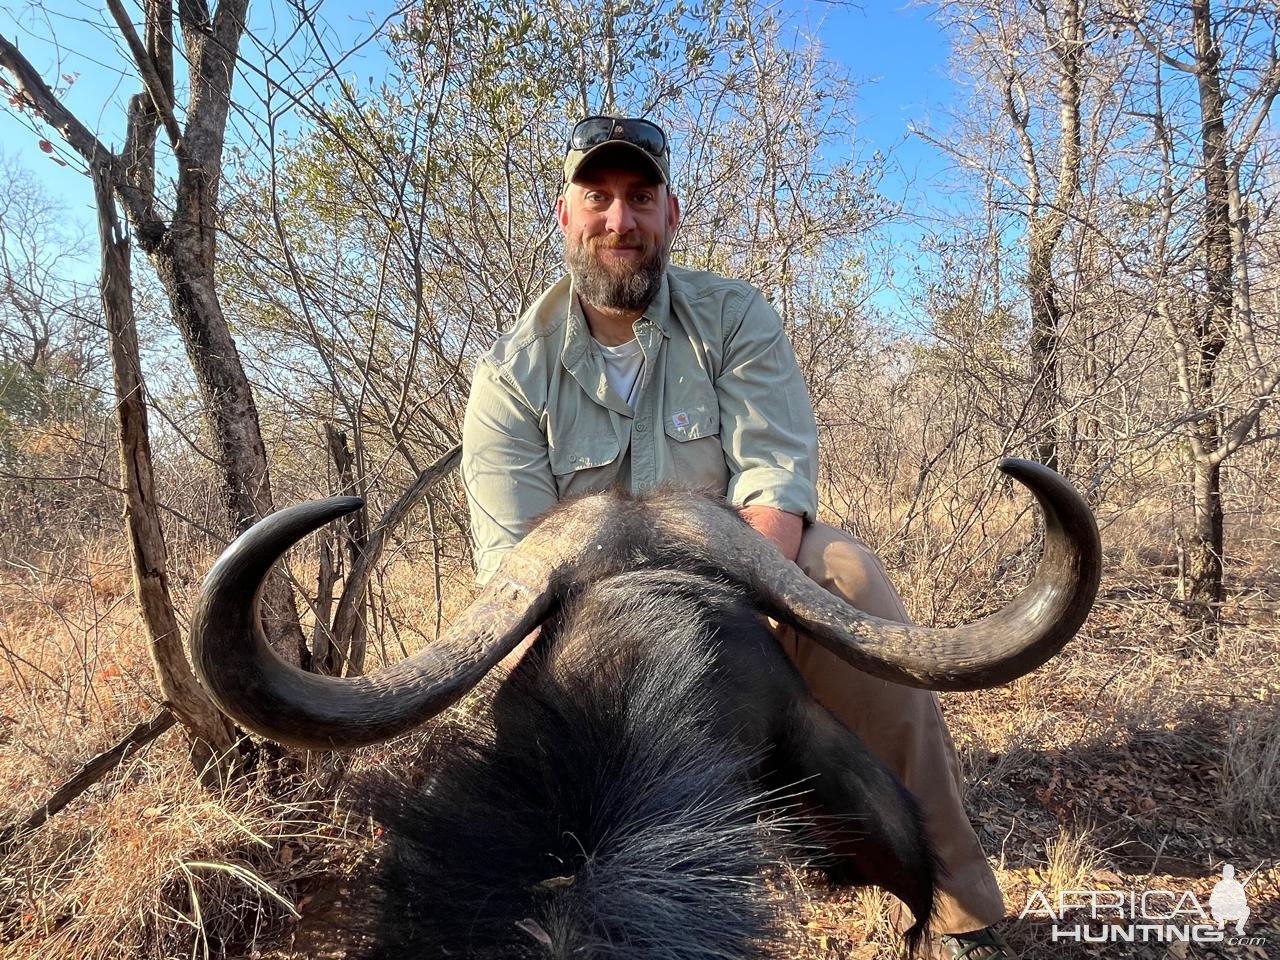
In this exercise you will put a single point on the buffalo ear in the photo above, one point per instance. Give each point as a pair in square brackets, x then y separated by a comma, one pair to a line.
[870, 830]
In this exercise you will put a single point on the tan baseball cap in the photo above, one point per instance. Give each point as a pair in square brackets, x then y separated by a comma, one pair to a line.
[629, 139]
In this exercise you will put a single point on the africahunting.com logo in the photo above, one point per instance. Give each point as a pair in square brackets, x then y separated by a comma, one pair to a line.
[1147, 916]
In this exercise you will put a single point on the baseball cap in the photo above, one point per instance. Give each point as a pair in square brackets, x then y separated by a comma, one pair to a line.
[631, 137]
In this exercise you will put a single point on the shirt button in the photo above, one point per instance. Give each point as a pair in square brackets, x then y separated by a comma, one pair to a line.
[642, 426]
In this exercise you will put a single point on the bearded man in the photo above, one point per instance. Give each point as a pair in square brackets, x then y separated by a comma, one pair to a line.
[631, 372]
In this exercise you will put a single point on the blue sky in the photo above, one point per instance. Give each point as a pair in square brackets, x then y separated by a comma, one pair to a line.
[895, 51]
[899, 55]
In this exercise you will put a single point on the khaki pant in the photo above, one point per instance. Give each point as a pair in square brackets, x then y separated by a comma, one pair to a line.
[902, 726]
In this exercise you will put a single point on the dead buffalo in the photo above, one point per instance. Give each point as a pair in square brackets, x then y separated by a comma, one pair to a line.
[625, 798]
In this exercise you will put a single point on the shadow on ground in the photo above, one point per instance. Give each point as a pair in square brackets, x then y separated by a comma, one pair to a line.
[1149, 804]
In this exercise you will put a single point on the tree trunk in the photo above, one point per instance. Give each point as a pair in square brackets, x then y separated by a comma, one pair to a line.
[1047, 218]
[185, 264]
[336, 650]
[1213, 323]
[1046, 319]
[1205, 591]
[212, 735]
[185, 254]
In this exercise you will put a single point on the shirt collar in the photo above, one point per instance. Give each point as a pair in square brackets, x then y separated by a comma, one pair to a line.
[659, 311]
[577, 338]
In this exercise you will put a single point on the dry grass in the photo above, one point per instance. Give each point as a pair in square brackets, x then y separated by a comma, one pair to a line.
[1127, 766]
[158, 867]
[74, 673]
[1250, 782]
[1070, 860]
[147, 863]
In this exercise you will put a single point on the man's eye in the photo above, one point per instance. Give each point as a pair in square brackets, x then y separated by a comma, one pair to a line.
[595, 197]
[642, 198]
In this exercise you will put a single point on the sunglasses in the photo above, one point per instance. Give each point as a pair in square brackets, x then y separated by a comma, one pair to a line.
[594, 131]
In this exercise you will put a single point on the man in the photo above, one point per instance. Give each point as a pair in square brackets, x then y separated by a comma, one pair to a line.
[633, 372]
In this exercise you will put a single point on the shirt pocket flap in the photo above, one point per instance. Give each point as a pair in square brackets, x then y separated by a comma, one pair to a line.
[692, 414]
[583, 453]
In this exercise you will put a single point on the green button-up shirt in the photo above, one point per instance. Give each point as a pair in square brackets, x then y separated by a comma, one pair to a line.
[723, 409]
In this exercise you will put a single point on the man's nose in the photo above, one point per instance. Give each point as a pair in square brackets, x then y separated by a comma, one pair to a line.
[620, 219]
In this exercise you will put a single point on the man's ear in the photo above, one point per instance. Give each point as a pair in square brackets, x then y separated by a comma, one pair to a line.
[562, 213]
[673, 210]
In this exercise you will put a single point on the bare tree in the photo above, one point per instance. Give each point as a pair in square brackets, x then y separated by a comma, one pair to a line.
[46, 316]
[1064, 29]
[1229, 53]
[213, 736]
[53, 406]
[1029, 60]
[181, 243]
[1131, 141]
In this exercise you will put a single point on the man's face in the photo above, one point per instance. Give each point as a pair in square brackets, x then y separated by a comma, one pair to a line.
[617, 226]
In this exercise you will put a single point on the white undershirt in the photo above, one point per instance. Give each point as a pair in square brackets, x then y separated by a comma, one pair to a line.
[624, 369]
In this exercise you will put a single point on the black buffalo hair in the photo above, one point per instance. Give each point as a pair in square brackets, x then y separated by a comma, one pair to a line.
[621, 797]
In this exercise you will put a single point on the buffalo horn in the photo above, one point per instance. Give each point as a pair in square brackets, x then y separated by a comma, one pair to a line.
[996, 649]
[280, 701]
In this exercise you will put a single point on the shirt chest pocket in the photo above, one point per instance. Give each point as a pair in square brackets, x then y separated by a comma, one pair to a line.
[690, 410]
[586, 452]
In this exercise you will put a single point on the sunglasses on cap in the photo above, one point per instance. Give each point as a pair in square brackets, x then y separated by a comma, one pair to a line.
[593, 131]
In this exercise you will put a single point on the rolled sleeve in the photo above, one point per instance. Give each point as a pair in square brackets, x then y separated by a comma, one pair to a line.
[505, 469]
[770, 437]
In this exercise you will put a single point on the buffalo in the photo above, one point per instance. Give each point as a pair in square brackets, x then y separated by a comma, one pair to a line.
[655, 751]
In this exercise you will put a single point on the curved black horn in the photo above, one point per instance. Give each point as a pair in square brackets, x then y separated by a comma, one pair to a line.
[1001, 647]
[277, 700]
[589, 539]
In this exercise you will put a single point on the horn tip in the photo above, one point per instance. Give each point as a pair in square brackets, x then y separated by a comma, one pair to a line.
[1018, 466]
[345, 504]
[319, 512]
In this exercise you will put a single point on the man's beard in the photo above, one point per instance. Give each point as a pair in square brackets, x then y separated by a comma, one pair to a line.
[625, 287]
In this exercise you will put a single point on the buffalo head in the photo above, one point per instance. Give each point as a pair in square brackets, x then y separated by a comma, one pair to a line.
[655, 654]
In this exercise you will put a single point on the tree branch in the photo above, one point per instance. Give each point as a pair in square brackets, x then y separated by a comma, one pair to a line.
[1268, 89]
[89, 774]
[41, 98]
[1134, 23]
[147, 69]
[1238, 432]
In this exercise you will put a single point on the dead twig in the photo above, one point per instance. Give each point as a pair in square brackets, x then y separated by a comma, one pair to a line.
[93, 771]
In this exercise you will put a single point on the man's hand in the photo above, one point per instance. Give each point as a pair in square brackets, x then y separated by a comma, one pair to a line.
[784, 529]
